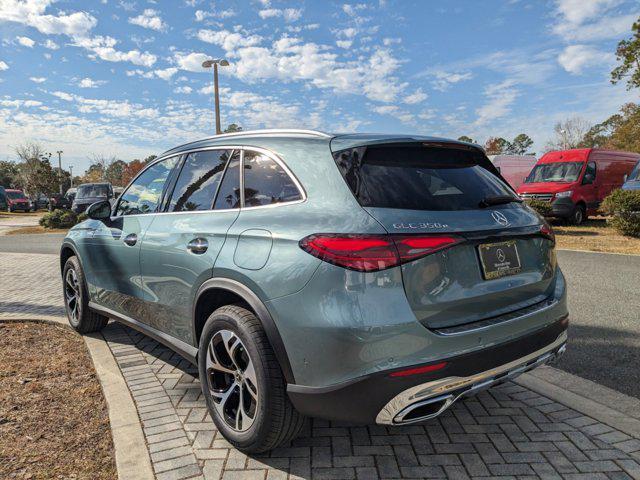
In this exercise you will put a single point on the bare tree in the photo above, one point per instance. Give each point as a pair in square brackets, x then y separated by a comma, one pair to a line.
[568, 134]
[35, 174]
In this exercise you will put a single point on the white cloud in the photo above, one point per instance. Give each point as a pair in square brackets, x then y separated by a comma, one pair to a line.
[38, 79]
[202, 15]
[103, 48]
[585, 21]
[191, 62]
[167, 73]
[500, 98]
[229, 41]
[32, 13]
[344, 43]
[394, 111]
[415, 97]
[578, 11]
[289, 14]
[51, 45]
[90, 83]
[183, 89]
[16, 103]
[3, 66]
[111, 108]
[443, 80]
[25, 42]
[575, 58]
[149, 18]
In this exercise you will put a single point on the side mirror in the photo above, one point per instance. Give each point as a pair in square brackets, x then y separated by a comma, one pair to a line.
[624, 179]
[100, 210]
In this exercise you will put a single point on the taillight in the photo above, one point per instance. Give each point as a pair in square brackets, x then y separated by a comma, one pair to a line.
[370, 253]
[547, 232]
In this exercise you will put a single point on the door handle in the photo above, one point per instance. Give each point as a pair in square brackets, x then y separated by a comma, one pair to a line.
[198, 246]
[131, 239]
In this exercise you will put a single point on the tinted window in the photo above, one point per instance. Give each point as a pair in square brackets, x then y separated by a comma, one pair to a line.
[144, 194]
[93, 191]
[590, 170]
[266, 182]
[419, 178]
[635, 173]
[229, 191]
[555, 172]
[198, 181]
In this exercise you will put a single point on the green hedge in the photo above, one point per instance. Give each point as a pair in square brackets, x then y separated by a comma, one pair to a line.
[543, 208]
[623, 206]
[59, 219]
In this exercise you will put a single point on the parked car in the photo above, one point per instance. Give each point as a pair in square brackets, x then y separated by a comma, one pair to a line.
[89, 193]
[576, 181]
[39, 201]
[632, 182]
[58, 200]
[17, 200]
[360, 278]
[3, 199]
[71, 194]
[514, 168]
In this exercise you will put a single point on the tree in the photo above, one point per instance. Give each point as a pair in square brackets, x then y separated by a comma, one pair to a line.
[464, 138]
[569, 134]
[520, 144]
[150, 158]
[114, 172]
[620, 131]
[35, 174]
[95, 173]
[496, 146]
[131, 170]
[233, 127]
[628, 52]
[9, 174]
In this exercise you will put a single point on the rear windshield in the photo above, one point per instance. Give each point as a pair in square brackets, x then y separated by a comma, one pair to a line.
[418, 177]
[92, 191]
[555, 172]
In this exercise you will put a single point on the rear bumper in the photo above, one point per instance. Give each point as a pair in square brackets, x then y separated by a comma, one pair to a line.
[380, 398]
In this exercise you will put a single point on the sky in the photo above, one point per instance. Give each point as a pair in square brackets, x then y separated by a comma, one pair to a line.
[124, 78]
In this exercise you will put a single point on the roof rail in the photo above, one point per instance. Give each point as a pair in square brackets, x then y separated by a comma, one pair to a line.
[271, 131]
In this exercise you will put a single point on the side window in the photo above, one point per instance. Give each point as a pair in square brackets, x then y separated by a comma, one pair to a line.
[266, 182]
[145, 193]
[198, 181]
[229, 191]
[589, 173]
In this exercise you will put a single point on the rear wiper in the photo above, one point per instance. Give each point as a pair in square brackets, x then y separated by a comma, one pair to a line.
[498, 200]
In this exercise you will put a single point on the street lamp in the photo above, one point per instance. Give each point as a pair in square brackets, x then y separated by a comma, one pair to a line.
[59, 152]
[208, 64]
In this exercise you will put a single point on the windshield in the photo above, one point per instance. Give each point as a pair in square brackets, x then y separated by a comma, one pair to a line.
[92, 191]
[418, 178]
[635, 173]
[555, 172]
[15, 195]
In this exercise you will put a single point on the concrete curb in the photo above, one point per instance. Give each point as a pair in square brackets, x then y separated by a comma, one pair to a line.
[130, 447]
[587, 397]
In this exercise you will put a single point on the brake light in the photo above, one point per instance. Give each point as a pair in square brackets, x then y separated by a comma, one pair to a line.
[547, 232]
[417, 370]
[370, 253]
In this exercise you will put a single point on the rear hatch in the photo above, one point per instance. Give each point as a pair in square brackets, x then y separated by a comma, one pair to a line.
[501, 263]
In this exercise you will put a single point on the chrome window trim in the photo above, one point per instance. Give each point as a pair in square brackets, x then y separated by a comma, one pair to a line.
[273, 156]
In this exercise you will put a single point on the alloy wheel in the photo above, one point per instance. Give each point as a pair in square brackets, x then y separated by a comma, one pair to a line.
[231, 379]
[72, 294]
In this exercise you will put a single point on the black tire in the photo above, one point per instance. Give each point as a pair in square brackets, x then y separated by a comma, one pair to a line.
[578, 216]
[275, 419]
[80, 316]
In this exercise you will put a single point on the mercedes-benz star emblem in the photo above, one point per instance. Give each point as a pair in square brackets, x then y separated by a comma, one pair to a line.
[500, 218]
[501, 256]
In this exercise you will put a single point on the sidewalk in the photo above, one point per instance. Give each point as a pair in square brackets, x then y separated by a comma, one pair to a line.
[535, 428]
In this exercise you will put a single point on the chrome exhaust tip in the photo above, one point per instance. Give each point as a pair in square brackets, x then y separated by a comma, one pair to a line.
[424, 410]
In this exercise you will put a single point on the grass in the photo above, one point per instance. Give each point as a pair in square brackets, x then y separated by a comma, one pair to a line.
[594, 235]
[4, 213]
[53, 416]
[35, 229]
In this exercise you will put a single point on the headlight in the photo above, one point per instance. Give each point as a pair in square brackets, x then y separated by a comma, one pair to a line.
[564, 194]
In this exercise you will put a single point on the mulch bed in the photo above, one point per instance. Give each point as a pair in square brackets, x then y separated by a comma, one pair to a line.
[54, 422]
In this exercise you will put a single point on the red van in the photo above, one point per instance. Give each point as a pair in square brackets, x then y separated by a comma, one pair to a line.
[576, 181]
[514, 168]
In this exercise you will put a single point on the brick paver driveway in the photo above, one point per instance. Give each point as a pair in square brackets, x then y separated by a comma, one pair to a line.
[509, 432]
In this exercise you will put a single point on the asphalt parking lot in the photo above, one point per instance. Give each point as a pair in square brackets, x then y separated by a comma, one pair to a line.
[604, 301]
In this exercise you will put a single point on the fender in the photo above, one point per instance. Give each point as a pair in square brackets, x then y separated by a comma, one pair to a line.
[270, 328]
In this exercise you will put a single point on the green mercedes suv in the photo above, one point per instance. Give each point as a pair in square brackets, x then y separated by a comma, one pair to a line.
[362, 278]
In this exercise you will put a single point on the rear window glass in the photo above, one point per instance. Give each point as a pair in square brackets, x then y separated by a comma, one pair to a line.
[418, 177]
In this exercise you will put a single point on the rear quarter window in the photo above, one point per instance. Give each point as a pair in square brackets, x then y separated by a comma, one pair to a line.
[419, 177]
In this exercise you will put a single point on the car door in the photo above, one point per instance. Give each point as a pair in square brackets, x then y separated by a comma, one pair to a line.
[590, 186]
[112, 257]
[180, 246]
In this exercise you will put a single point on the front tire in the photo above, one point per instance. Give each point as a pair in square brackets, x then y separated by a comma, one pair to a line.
[76, 299]
[243, 384]
[578, 216]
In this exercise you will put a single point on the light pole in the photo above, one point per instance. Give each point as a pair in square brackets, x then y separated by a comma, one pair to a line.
[71, 175]
[214, 63]
[59, 152]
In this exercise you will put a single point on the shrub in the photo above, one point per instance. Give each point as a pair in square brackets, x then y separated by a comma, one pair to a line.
[623, 206]
[543, 208]
[59, 219]
[82, 217]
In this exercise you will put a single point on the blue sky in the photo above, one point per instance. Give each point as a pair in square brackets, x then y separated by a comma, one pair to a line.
[123, 77]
